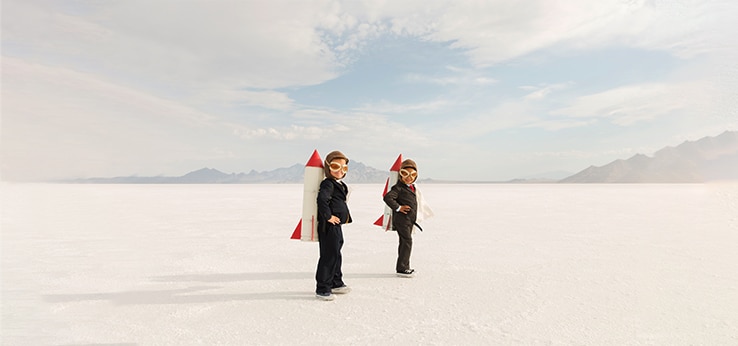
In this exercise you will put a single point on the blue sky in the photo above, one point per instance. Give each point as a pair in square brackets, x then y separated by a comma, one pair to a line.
[473, 90]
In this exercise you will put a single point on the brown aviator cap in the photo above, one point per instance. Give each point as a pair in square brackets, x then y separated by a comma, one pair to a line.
[329, 158]
[409, 164]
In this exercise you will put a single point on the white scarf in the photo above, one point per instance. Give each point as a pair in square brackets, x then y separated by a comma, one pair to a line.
[424, 211]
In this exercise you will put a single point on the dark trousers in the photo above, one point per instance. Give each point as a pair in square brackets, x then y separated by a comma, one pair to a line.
[329, 275]
[405, 248]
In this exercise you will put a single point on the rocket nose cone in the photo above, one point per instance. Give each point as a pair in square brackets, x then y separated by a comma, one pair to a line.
[315, 160]
[396, 166]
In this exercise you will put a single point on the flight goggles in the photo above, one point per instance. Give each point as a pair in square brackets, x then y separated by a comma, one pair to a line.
[335, 167]
[404, 173]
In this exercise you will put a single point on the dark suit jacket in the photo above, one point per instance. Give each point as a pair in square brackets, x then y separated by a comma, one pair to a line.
[400, 194]
[332, 201]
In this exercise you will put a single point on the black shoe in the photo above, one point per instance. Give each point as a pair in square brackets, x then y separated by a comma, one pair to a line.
[324, 296]
[407, 273]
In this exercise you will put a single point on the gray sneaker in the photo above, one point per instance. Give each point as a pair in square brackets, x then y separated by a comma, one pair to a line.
[341, 290]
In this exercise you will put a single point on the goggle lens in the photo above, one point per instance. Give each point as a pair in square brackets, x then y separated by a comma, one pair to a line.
[335, 167]
[404, 173]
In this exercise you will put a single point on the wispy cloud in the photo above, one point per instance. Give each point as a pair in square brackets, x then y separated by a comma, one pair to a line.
[506, 115]
[457, 77]
[539, 93]
[496, 31]
[268, 99]
[167, 46]
[558, 124]
[384, 107]
[292, 132]
[72, 95]
[631, 104]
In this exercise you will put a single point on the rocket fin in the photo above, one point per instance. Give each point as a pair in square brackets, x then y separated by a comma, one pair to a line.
[298, 230]
[379, 221]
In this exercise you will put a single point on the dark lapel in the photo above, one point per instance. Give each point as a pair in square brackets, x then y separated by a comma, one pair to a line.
[341, 187]
[409, 189]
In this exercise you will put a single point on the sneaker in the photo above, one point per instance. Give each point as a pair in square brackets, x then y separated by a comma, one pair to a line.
[341, 290]
[324, 296]
[407, 273]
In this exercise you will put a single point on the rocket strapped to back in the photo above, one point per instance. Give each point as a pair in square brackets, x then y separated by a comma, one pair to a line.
[385, 221]
[307, 228]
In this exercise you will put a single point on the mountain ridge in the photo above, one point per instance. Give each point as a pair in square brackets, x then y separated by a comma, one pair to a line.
[359, 173]
[706, 159]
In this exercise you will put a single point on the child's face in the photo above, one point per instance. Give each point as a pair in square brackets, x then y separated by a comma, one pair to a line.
[410, 175]
[341, 172]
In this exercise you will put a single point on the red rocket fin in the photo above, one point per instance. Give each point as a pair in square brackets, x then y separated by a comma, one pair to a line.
[315, 160]
[379, 221]
[396, 167]
[298, 231]
[386, 187]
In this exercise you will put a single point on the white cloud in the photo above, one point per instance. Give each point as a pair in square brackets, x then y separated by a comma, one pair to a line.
[541, 92]
[558, 124]
[356, 129]
[267, 99]
[289, 133]
[60, 123]
[187, 44]
[57, 92]
[635, 103]
[254, 44]
[385, 107]
[508, 114]
[498, 31]
[460, 77]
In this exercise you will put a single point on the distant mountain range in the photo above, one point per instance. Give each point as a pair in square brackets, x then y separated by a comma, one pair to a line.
[358, 173]
[707, 159]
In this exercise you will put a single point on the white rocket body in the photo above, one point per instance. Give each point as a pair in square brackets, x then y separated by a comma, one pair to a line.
[313, 177]
[307, 228]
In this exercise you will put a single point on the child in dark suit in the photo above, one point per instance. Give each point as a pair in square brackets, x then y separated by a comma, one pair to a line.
[403, 201]
[332, 213]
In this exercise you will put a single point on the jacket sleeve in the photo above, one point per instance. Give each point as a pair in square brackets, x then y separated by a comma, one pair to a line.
[391, 198]
[325, 194]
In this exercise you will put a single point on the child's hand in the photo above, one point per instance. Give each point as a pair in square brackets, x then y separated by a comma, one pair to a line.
[404, 209]
[334, 220]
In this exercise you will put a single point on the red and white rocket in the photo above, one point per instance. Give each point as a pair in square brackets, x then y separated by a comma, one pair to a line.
[307, 228]
[385, 221]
